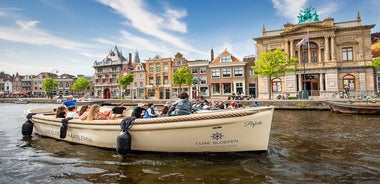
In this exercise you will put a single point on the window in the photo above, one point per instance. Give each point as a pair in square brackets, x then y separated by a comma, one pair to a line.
[226, 59]
[135, 84]
[226, 72]
[349, 80]
[314, 56]
[347, 54]
[203, 70]
[215, 73]
[226, 89]
[151, 68]
[215, 89]
[150, 80]
[276, 85]
[238, 72]
[158, 68]
[158, 80]
[151, 92]
[179, 63]
[141, 84]
[239, 88]
[141, 76]
[166, 80]
[203, 79]
[194, 70]
[165, 67]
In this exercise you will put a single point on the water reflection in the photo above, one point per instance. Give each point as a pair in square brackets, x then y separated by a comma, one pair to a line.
[305, 146]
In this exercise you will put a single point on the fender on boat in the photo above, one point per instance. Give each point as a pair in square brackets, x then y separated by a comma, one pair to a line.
[27, 127]
[124, 139]
[63, 130]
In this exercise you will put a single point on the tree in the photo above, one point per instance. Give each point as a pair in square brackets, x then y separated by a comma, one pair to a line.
[376, 62]
[80, 84]
[49, 85]
[183, 76]
[124, 81]
[273, 64]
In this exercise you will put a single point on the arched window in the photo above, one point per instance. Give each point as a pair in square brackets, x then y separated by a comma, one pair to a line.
[276, 85]
[313, 48]
[349, 80]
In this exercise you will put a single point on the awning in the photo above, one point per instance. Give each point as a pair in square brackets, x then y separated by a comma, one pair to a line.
[21, 93]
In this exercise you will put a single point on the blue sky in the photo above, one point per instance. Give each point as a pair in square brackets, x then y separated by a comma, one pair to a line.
[69, 35]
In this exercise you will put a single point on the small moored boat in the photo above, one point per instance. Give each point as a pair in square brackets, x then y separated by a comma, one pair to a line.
[246, 129]
[354, 107]
[21, 101]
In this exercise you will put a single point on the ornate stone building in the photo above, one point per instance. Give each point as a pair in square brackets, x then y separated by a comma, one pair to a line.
[336, 54]
[106, 74]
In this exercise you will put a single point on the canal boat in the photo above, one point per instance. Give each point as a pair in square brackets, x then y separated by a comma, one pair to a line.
[355, 107]
[235, 130]
[21, 101]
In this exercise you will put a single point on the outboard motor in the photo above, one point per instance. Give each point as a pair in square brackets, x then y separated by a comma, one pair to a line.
[27, 127]
[124, 139]
[63, 130]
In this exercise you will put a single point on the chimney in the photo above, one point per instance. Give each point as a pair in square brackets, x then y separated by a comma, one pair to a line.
[212, 55]
[130, 58]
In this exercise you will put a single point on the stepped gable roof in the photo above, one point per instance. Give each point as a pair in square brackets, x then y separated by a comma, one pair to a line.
[115, 55]
[218, 60]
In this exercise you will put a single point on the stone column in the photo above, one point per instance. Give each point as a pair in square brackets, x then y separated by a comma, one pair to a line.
[321, 76]
[287, 48]
[333, 48]
[327, 50]
[291, 48]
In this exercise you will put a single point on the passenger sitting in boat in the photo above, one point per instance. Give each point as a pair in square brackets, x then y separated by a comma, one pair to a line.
[83, 112]
[150, 112]
[182, 106]
[61, 112]
[95, 114]
[138, 111]
[165, 109]
[72, 113]
[117, 111]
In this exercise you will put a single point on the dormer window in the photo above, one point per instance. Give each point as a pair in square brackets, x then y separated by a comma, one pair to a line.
[179, 62]
[226, 59]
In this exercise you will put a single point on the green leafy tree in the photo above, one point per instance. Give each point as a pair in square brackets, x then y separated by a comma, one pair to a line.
[376, 62]
[273, 64]
[183, 76]
[124, 81]
[80, 84]
[49, 85]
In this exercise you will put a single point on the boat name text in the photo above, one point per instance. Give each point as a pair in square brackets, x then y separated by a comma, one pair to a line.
[252, 124]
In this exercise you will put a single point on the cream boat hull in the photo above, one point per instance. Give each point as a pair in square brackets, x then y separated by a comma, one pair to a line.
[215, 131]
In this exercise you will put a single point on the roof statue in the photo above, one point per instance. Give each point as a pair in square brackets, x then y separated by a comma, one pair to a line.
[308, 15]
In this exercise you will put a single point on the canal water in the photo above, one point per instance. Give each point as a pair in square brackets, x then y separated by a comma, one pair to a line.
[305, 147]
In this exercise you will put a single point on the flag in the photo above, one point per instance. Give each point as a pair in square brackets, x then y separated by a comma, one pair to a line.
[304, 40]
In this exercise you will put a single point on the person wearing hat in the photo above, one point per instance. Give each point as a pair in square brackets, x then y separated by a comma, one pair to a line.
[165, 109]
[138, 111]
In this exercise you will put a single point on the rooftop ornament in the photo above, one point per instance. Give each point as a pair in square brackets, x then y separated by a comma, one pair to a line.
[308, 15]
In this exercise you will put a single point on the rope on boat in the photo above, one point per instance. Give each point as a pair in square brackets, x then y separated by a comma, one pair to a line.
[204, 116]
[127, 123]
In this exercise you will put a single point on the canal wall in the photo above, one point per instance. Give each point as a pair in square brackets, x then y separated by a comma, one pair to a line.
[278, 104]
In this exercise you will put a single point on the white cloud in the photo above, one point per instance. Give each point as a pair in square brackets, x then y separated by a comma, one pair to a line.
[28, 32]
[158, 26]
[291, 8]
